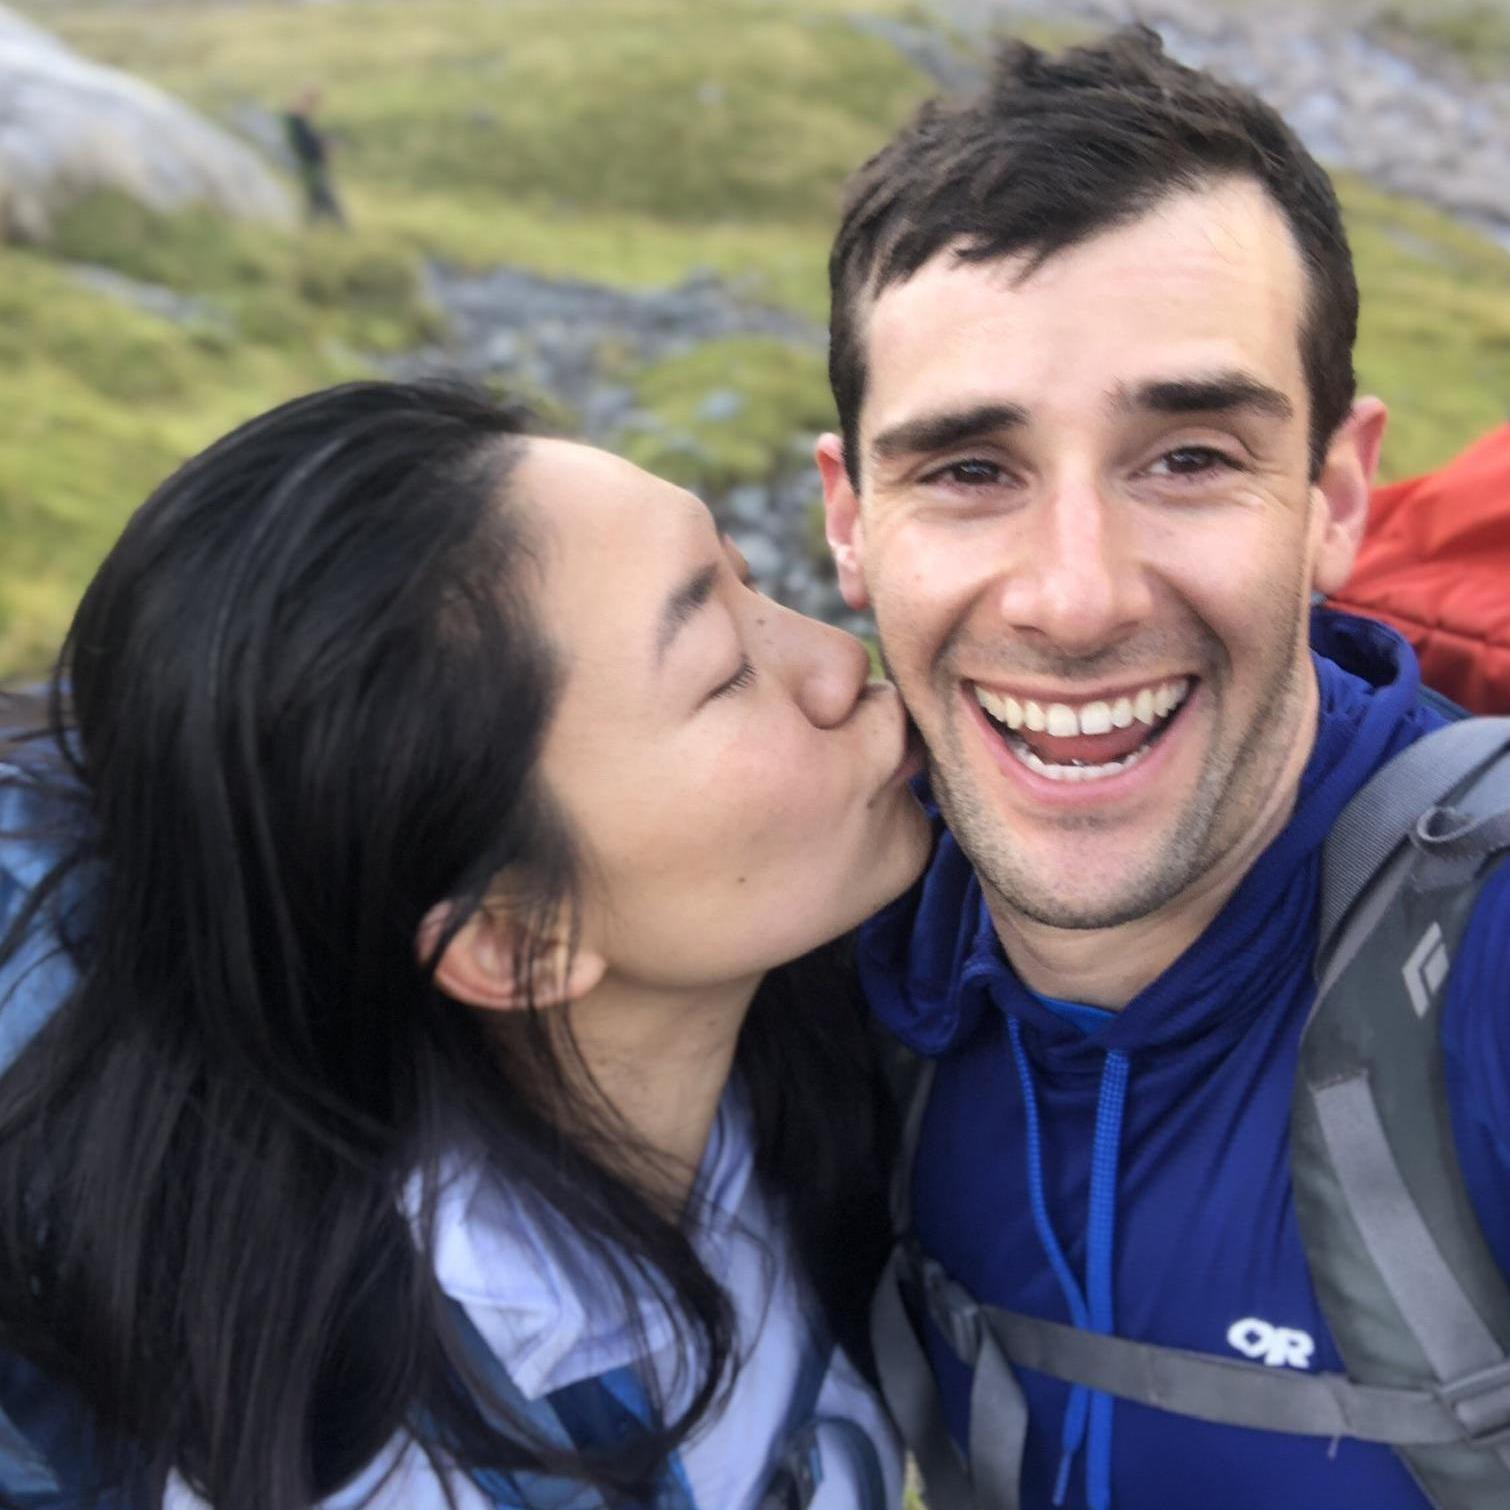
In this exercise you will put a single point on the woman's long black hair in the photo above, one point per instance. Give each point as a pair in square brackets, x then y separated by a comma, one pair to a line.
[302, 701]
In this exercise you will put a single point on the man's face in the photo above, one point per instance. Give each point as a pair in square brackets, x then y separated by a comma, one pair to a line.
[1086, 526]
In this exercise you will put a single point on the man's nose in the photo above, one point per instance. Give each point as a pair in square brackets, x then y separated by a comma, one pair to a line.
[1078, 575]
[825, 668]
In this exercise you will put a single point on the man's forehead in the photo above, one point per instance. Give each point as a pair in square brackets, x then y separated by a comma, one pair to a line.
[1230, 225]
[1208, 279]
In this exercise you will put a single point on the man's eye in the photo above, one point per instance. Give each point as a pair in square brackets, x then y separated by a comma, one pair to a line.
[741, 678]
[971, 473]
[1192, 461]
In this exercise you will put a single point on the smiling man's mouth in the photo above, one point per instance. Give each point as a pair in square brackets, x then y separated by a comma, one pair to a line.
[1086, 741]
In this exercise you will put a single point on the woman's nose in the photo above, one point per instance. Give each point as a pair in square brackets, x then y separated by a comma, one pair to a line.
[826, 668]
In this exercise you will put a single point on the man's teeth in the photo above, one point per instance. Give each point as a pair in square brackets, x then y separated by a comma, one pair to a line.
[1148, 705]
[1074, 772]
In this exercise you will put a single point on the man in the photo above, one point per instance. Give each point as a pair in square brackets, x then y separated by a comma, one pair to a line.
[1091, 353]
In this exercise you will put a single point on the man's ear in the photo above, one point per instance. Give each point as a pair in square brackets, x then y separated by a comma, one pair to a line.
[481, 964]
[1347, 476]
[841, 521]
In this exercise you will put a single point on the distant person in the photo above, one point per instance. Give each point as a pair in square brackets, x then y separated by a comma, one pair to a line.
[311, 149]
[441, 1093]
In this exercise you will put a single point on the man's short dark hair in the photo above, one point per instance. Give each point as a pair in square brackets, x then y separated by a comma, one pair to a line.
[1054, 151]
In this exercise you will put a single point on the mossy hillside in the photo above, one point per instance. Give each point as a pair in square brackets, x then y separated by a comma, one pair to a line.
[292, 290]
[736, 137]
[759, 116]
[484, 132]
[102, 399]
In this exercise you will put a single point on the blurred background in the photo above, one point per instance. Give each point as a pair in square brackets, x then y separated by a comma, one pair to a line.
[619, 208]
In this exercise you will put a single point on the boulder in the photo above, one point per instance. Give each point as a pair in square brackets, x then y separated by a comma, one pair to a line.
[69, 127]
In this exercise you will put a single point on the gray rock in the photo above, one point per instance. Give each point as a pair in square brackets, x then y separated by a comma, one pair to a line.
[552, 333]
[1412, 122]
[501, 350]
[69, 127]
[608, 407]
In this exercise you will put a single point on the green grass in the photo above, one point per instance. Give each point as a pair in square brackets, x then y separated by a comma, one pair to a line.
[102, 400]
[626, 141]
[1434, 339]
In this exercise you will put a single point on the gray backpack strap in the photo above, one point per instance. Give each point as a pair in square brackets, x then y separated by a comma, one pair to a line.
[1227, 1391]
[998, 1412]
[1383, 815]
[1407, 1282]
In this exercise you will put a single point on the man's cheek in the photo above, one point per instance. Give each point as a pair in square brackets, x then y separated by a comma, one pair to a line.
[909, 641]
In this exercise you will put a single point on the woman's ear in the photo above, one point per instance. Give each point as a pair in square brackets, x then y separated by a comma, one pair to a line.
[481, 964]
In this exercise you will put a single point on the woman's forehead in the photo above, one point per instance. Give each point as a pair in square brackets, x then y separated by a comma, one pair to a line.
[619, 545]
[586, 495]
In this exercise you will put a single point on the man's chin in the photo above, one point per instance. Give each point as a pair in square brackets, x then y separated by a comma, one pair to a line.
[1096, 885]
[1084, 914]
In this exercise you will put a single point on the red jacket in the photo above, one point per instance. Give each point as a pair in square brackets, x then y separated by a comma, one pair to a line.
[1435, 563]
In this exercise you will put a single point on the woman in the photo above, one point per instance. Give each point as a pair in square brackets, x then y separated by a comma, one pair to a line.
[431, 1114]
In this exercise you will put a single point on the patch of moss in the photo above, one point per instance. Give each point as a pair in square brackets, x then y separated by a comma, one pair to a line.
[771, 396]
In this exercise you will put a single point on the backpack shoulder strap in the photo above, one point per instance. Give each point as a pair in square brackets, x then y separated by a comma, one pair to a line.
[1407, 1282]
[1382, 816]
[594, 1412]
[986, 1476]
[52, 1454]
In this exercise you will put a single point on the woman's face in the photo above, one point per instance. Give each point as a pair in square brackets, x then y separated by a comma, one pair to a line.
[738, 787]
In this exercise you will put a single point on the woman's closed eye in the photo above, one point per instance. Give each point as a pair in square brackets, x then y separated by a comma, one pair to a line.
[743, 677]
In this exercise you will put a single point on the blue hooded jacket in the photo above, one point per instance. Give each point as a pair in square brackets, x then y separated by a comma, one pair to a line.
[1130, 1171]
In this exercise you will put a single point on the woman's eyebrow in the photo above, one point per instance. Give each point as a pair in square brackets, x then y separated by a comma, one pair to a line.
[683, 603]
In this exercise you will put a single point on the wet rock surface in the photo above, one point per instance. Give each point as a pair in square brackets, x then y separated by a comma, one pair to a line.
[1362, 96]
[556, 337]
[575, 343]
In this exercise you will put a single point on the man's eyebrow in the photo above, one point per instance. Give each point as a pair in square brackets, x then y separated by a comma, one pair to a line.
[682, 604]
[1213, 393]
[949, 427]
